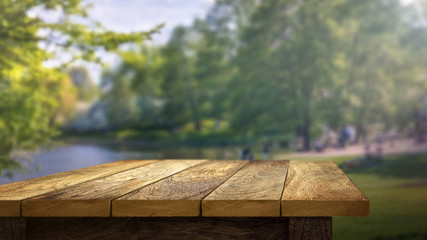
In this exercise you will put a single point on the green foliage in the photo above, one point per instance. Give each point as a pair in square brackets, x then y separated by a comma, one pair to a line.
[133, 91]
[29, 93]
[287, 67]
[26, 110]
[285, 63]
[298, 67]
[260, 68]
[178, 85]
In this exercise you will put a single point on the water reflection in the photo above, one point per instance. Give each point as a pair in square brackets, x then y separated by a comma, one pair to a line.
[74, 156]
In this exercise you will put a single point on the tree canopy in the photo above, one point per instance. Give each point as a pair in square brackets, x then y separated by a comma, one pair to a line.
[291, 67]
[32, 96]
[255, 68]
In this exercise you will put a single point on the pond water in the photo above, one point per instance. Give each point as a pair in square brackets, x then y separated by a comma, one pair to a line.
[74, 156]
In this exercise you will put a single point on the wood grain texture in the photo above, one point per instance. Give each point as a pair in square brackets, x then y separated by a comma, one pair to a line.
[10, 208]
[310, 228]
[193, 228]
[321, 189]
[254, 191]
[12, 228]
[12, 194]
[177, 195]
[92, 198]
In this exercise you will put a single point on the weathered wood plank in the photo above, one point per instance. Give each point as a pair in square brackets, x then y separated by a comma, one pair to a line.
[177, 195]
[12, 194]
[10, 208]
[193, 228]
[92, 198]
[321, 189]
[12, 228]
[254, 191]
[310, 228]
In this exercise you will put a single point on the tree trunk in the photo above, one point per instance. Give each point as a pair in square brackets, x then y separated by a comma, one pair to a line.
[193, 106]
[306, 131]
[192, 99]
[307, 117]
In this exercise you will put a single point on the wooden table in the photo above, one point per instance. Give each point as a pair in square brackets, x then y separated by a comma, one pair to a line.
[182, 199]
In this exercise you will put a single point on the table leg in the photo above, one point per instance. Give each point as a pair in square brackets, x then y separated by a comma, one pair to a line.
[305, 228]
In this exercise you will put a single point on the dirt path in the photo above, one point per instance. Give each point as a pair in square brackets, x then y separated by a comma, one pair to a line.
[399, 147]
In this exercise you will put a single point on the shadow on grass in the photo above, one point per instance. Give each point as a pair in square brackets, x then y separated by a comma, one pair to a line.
[396, 187]
[402, 166]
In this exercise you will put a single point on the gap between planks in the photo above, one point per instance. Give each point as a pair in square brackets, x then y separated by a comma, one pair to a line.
[14, 193]
[179, 194]
[308, 189]
[93, 198]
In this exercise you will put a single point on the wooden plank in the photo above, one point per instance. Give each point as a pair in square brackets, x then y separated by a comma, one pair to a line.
[254, 191]
[12, 228]
[193, 228]
[177, 195]
[321, 189]
[310, 228]
[92, 198]
[10, 208]
[12, 194]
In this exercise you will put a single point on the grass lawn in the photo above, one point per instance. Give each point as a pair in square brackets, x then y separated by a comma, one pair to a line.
[397, 191]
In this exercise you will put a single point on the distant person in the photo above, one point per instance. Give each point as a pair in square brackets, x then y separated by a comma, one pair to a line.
[344, 137]
[245, 153]
[251, 157]
[318, 146]
[352, 134]
[266, 150]
[420, 127]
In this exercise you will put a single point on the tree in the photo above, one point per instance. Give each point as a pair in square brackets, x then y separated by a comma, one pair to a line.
[301, 64]
[215, 47]
[285, 63]
[28, 100]
[380, 69]
[178, 86]
[133, 94]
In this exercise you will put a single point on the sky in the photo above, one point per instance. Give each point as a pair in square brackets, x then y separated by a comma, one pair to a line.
[130, 16]
[140, 15]
[143, 15]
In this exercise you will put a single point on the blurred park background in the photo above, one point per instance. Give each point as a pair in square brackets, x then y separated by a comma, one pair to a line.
[88, 82]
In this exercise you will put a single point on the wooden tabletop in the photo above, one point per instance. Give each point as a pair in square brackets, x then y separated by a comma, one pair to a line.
[210, 188]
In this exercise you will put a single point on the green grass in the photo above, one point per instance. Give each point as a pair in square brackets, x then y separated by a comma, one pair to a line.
[397, 191]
